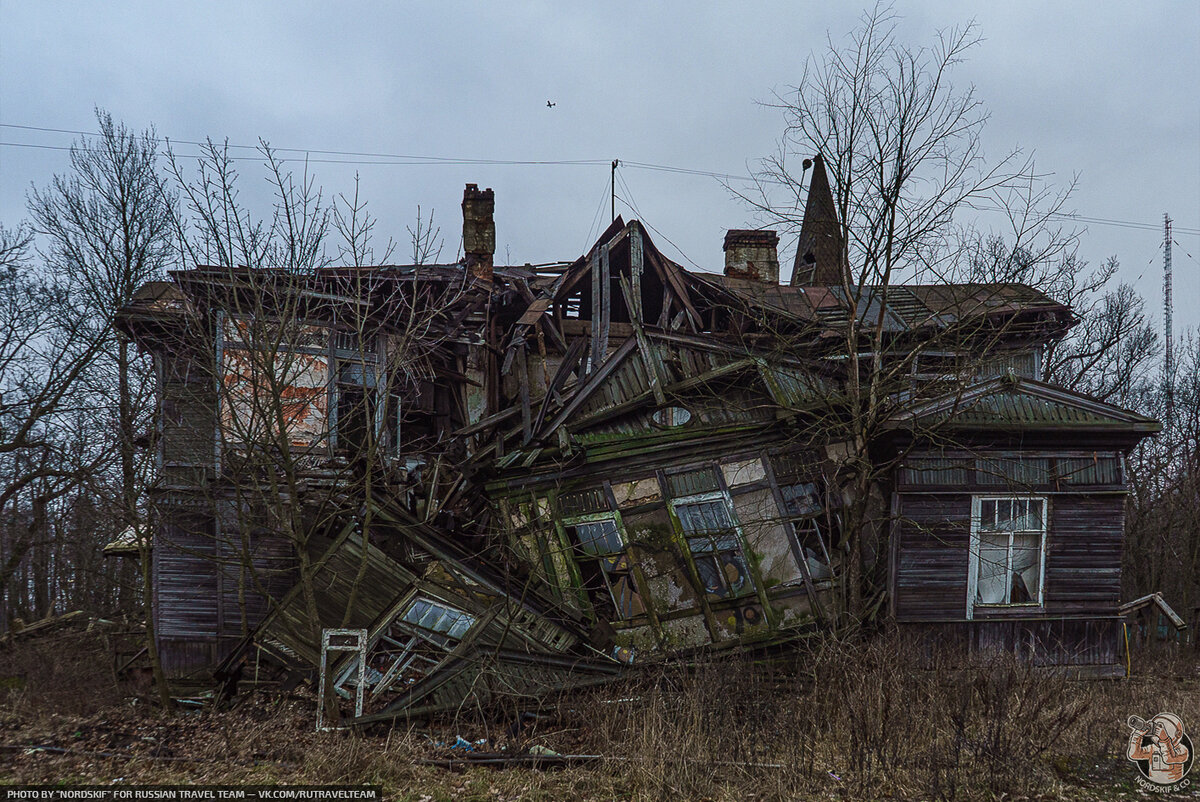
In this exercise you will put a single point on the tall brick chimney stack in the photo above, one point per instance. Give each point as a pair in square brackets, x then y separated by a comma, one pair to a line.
[479, 230]
[753, 255]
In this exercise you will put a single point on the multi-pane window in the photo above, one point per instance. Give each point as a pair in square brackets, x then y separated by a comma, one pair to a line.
[802, 503]
[604, 568]
[1008, 541]
[355, 404]
[409, 648]
[713, 541]
[356, 393]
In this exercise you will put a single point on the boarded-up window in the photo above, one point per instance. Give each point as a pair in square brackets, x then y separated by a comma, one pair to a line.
[934, 471]
[1013, 471]
[1101, 469]
[693, 482]
[583, 502]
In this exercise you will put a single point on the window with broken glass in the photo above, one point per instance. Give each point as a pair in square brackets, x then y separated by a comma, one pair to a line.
[1008, 548]
[409, 648]
[803, 505]
[604, 566]
[356, 393]
[715, 545]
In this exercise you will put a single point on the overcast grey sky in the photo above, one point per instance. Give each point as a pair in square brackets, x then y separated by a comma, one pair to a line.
[1106, 90]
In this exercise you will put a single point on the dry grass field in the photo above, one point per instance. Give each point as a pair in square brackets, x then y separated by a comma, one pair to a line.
[839, 722]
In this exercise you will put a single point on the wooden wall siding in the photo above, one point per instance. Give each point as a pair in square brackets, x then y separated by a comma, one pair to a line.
[187, 657]
[267, 563]
[1083, 563]
[933, 551]
[186, 583]
[1049, 642]
[1083, 556]
[188, 413]
[186, 593]
[200, 595]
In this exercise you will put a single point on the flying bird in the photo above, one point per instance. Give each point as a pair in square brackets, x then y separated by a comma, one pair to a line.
[550, 105]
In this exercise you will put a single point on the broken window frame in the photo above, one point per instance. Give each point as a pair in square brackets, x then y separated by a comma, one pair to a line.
[622, 556]
[975, 551]
[811, 524]
[350, 349]
[719, 547]
[407, 652]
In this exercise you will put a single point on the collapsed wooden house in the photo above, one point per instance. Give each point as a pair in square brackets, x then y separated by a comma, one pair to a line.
[519, 479]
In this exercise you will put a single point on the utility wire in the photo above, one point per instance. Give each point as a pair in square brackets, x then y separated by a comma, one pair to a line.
[410, 160]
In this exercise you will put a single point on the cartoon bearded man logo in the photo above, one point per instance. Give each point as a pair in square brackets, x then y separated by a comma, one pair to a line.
[1160, 747]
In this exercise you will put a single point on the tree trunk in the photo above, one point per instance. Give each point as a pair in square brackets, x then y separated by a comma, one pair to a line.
[132, 518]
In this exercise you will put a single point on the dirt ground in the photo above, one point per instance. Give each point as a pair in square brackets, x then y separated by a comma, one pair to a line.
[837, 723]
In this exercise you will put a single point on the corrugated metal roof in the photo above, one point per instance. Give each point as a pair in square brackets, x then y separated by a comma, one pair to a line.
[908, 306]
[1020, 402]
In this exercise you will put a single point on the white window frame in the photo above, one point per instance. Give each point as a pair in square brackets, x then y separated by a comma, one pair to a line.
[407, 651]
[973, 558]
[717, 495]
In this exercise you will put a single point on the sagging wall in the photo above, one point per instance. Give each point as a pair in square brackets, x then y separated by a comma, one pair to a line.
[681, 557]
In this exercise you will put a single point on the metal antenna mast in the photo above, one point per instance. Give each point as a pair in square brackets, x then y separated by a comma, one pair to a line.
[1168, 362]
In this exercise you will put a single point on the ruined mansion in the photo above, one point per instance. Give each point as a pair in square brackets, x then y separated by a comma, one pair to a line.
[522, 479]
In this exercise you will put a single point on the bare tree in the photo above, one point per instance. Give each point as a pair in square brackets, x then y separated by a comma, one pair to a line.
[46, 345]
[316, 369]
[109, 228]
[904, 151]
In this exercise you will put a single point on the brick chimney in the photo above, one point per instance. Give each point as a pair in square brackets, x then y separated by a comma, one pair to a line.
[479, 231]
[753, 255]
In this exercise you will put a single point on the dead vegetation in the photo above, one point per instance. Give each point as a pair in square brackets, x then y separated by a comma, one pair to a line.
[841, 722]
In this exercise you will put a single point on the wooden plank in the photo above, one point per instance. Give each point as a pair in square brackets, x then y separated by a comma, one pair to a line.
[636, 260]
[646, 349]
[597, 354]
[569, 363]
[595, 379]
[605, 300]
[523, 381]
[671, 276]
[534, 312]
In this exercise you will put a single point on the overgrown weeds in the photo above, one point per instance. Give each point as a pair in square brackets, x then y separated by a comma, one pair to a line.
[841, 721]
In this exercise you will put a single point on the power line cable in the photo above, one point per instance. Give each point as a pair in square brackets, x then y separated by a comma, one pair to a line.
[369, 158]
[632, 204]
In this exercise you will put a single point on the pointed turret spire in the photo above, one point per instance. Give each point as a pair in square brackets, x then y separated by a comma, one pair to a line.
[821, 259]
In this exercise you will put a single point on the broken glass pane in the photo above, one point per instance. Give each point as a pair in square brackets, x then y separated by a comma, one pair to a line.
[801, 499]
[599, 537]
[992, 583]
[1026, 567]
